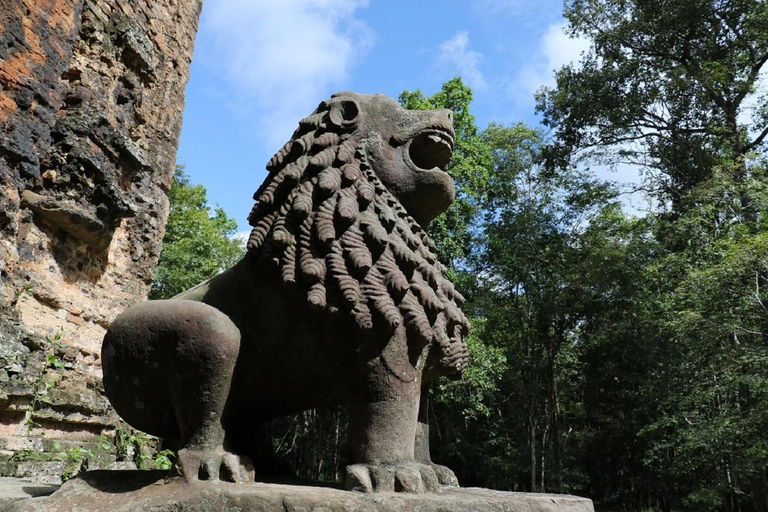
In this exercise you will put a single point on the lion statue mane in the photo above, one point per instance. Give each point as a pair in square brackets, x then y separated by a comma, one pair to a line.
[332, 228]
[339, 299]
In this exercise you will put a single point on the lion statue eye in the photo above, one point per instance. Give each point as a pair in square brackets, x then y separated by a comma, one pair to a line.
[344, 113]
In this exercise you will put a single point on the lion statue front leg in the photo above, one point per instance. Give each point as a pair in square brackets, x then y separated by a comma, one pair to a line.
[383, 424]
[382, 439]
[445, 475]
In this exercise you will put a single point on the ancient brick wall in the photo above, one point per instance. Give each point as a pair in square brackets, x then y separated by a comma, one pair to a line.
[91, 100]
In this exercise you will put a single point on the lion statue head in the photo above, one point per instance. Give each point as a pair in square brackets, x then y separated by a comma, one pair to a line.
[340, 216]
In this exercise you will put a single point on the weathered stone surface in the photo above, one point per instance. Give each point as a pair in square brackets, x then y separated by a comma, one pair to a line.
[132, 492]
[73, 219]
[340, 300]
[91, 99]
[15, 489]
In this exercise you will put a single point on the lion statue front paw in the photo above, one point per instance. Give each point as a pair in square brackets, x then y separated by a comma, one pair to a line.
[214, 465]
[409, 477]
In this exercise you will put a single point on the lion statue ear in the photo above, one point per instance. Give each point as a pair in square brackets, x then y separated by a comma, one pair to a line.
[344, 112]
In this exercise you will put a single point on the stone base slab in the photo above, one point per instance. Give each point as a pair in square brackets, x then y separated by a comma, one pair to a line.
[133, 491]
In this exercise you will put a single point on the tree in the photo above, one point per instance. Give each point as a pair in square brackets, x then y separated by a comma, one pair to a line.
[666, 85]
[197, 244]
[513, 243]
[707, 433]
[621, 354]
[669, 86]
[533, 221]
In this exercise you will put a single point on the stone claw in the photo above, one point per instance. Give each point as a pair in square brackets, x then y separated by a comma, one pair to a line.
[445, 475]
[410, 477]
[214, 465]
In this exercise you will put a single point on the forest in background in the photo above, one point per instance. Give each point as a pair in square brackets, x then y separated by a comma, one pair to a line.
[622, 357]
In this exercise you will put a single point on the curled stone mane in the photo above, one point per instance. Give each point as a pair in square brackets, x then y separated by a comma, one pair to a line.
[332, 229]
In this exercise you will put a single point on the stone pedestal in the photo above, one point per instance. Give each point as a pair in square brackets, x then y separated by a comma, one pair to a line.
[133, 491]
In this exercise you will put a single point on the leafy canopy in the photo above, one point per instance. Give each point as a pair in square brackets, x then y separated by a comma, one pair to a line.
[197, 244]
[667, 85]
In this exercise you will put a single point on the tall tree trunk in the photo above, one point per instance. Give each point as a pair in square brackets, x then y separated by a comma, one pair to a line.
[740, 168]
[554, 418]
[545, 434]
[759, 488]
[532, 442]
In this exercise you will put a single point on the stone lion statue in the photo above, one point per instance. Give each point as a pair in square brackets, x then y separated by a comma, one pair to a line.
[339, 300]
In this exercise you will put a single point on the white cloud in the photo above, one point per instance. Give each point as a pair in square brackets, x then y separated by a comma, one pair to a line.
[283, 56]
[455, 56]
[556, 49]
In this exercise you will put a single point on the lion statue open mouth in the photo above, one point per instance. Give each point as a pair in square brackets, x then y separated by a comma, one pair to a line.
[339, 300]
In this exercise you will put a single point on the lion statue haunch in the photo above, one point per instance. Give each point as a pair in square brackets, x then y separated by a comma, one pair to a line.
[339, 300]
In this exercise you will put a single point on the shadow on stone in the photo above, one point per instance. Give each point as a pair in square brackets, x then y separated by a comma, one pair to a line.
[39, 489]
[121, 481]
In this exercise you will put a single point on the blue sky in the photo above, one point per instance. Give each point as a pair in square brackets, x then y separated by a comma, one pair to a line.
[261, 65]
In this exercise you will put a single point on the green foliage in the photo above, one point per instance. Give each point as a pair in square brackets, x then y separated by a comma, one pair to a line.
[45, 381]
[472, 396]
[530, 295]
[141, 449]
[665, 85]
[75, 460]
[618, 357]
[26, 454]
[712, 311]
[468, 417]
[671, 346]
[197, 243]
[131, 445]
[164, 460]
[54, 344]
[128, 442]
[105, 444]
[672, 337]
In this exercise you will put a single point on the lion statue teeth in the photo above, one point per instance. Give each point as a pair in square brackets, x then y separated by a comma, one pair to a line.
[340, 299]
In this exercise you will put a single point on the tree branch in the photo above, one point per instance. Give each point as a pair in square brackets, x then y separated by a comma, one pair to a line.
[759, 140]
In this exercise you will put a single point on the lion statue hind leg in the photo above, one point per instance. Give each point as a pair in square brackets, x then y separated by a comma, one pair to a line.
[445, 475]
[168, 368]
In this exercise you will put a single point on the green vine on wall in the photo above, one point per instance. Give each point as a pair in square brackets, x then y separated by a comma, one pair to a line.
[44, 383]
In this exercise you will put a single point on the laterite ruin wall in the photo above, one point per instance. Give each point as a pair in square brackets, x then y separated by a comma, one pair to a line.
[91, 101]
